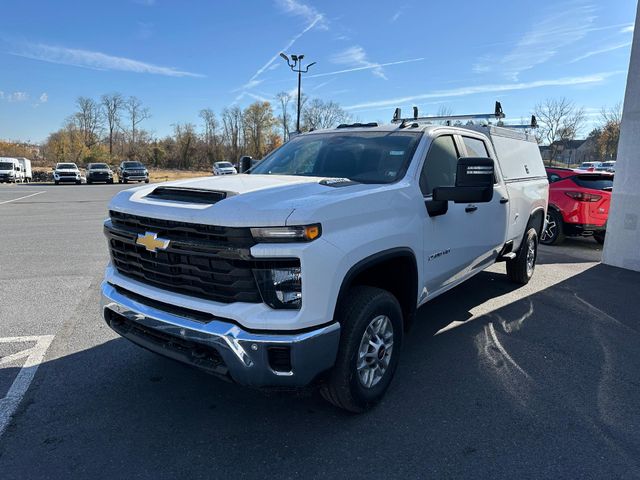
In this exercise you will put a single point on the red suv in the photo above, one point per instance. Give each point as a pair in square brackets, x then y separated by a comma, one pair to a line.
[578, 204]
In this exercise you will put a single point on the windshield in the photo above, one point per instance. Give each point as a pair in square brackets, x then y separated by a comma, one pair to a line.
[6, 166]
[98, 166]
[62, 166]
[366, 157]
[132, 165]
[224, 165]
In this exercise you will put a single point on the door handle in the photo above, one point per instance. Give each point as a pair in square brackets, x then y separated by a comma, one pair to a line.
[504, 200]
[470, 208]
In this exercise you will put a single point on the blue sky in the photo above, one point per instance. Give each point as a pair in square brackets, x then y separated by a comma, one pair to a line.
[181, 56]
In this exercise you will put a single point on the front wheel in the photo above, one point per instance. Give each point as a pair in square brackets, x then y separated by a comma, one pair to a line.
[520, 269]
[370, 340]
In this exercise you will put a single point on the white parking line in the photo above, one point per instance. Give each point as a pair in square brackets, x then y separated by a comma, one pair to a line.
[20, 198]
[9, 404]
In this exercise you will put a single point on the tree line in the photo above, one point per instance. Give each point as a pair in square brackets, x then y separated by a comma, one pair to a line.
[111, 128]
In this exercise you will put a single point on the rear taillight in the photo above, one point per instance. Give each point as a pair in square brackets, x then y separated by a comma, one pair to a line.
[583, 197]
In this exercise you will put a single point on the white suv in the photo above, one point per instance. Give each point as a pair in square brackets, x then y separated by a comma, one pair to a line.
[67, 173]
[311, 267]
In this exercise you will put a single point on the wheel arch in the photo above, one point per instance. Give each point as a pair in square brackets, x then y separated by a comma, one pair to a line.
[394, 270]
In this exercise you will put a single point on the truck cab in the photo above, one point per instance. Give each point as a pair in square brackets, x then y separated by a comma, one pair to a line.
[310, 268]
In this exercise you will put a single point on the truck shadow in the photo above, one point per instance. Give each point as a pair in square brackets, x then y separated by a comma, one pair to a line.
[535, 386]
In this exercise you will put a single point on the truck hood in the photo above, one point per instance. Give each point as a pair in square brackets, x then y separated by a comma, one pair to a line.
[66, 170]
[252, 200]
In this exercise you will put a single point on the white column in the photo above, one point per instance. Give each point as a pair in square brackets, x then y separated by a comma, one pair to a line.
[622, 245]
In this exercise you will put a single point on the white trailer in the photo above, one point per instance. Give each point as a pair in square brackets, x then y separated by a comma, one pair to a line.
[25, 163]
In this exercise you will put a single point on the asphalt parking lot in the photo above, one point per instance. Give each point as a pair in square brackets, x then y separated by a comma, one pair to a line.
[495, 381]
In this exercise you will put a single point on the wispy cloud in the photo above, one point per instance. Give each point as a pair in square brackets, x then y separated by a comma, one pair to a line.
[560, 26]
[610, 48]
[44, 98]
[365, 67]
[357, 56]
[627, 29]
[484, 89]
[307, 12]
[397, 15]
[14, 97]
[314, 19]
[94, 60]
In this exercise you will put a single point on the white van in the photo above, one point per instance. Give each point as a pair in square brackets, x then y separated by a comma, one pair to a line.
[10, 170]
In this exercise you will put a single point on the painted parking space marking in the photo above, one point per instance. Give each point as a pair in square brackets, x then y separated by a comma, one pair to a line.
[34, 355]
[21, 198]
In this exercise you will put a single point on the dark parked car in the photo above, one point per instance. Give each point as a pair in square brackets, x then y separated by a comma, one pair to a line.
[132, 171]
[99, 172]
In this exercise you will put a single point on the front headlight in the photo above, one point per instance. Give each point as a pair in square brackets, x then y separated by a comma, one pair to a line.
[280, 287]
[297, 233]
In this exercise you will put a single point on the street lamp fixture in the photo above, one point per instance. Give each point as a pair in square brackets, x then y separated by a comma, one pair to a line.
[296, 61]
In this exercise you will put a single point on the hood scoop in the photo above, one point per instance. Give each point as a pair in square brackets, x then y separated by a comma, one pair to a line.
[189, 195]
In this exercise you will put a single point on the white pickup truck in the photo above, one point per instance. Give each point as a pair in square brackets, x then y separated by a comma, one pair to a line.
[311, 267]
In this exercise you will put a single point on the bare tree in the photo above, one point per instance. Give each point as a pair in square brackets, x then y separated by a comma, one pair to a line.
[210, 132]
[285, 99]
[112, 105]
[232, 124]
[258, 126]
[320, 114]
[559, 121]
[88, 118]
[137, 114]
[608, 132]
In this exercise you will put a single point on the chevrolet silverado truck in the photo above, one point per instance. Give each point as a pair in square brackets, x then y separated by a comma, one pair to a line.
[310, 268]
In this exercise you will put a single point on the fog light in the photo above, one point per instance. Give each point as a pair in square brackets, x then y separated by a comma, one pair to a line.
[280, 287]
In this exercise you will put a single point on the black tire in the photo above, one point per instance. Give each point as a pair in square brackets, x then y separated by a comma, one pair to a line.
[78, 182]
[599, 237]
[57, 182]
[110, 181]
[89, 182]
[146, 181]
[343, 387]
[554, 233]
[519, 270]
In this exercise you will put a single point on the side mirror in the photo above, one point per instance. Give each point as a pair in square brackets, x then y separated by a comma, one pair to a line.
[474, 182]
[245, 163]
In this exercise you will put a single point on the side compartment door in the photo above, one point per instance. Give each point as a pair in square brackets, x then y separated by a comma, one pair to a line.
[446, 252]
[488, 221]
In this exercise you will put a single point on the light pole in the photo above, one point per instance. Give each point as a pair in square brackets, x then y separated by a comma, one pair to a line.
[296, 60]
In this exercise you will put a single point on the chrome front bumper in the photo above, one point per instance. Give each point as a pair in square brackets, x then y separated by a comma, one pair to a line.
[245, 357]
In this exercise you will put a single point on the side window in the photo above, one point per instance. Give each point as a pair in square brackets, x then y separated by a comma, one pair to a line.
[439, 168]
[475, 147]
[553, 177]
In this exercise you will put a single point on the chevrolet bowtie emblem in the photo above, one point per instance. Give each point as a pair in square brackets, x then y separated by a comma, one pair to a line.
[151, 242]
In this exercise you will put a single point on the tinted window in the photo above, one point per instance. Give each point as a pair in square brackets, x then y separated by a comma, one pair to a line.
[553, 177]
[6, 166]
[439, 168]
[366, 157]
[595, 182]
[95, 166]
[132, 165]
[475, 147]
[71, 166]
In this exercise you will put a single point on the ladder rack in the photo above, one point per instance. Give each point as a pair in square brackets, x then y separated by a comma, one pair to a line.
[497, 114]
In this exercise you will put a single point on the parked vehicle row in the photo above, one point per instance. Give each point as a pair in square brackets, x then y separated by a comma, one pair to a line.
[129, 171]
[598, 166]
[15, 170]
[579, 203]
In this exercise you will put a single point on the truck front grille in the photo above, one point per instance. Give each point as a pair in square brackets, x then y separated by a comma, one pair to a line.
[204, 261]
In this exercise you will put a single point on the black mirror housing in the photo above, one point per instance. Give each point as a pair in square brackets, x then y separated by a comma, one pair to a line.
[474, 182]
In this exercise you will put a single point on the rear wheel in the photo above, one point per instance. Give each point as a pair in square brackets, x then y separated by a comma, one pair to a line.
[520, 269]
[57, 182]
[370, 340]
[599, 237]
[554, 233]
